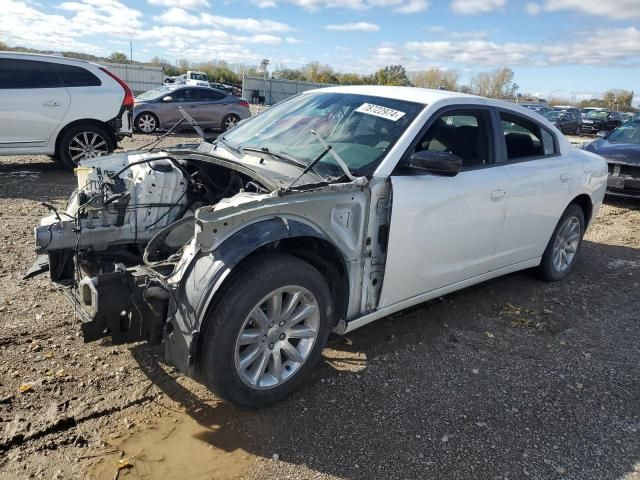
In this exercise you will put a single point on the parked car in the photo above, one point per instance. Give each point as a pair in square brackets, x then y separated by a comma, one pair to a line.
[328, 211]
[197, 79]
[566, 121]
[585, 111]
[621, 150]
[66, 108]
[600, 121]
[626, 116]
[158, 108]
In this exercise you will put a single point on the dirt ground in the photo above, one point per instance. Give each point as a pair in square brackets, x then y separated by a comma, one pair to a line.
[512, 379]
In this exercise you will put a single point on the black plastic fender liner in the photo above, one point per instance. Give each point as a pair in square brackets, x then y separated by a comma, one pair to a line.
[206, 274]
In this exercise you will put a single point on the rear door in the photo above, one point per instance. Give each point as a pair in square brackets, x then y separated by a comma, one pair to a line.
[212, 107]
[33, 103]
[541, 183]
[445, 229]
[186, 98]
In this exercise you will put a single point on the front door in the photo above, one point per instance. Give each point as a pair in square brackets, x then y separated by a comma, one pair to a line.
[32, 103]
[445, 229]
[182, 97]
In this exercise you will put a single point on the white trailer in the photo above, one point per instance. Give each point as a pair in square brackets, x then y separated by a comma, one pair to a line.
[140, 78]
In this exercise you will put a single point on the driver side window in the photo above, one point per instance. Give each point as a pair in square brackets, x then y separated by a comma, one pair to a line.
[466, 134]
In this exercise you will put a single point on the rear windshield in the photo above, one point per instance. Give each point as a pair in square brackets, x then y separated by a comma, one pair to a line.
[153, 94]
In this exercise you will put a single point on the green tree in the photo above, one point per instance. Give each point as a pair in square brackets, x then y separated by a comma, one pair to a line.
[283, 73]
[118, 57]
[390, 75]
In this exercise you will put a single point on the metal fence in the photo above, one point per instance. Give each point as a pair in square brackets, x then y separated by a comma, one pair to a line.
[268, 91]
[140, 78]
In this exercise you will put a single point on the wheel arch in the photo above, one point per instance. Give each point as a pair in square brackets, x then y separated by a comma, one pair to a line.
[212, 272]
[85, 121]
[585, 203]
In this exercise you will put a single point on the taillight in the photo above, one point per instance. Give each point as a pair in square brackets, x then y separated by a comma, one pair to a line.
[128, 94]
[244, 103]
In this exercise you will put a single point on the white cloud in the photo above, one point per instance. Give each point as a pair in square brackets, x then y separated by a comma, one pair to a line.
[413, 6]
[292, 40]
[605, 47]
[246, 24]
[21, 23]
[474, 7]
[616, 9]
[532, 8]
[188, 4]
[354, 27]
[179, 16]
[400, 6]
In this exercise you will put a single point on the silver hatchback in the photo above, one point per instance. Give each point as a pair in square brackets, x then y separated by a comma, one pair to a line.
[158, 108]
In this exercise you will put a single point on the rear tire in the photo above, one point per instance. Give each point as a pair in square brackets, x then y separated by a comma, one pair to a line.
[254, 350]
[83, 141]
[564, 245]
[230, 121]
[147, 122]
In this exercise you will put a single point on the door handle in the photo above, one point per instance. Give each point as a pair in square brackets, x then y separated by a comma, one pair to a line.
[498, 194]
[565, 177]
[51, 103]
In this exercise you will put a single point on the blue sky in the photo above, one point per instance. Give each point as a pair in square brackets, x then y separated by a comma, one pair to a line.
[556, 47]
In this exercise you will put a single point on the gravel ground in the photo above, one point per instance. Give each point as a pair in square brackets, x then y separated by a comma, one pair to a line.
[512, 379]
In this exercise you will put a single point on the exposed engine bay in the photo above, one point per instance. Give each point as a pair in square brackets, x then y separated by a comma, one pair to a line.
[124, 228]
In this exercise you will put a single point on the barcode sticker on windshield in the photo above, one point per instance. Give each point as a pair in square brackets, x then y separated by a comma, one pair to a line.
[379, 111]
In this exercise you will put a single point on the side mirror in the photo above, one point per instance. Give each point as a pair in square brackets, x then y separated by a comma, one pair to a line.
[602, 134]
[438, 163]
[168, 98]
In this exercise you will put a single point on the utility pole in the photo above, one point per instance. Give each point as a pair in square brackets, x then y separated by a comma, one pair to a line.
[131, 51]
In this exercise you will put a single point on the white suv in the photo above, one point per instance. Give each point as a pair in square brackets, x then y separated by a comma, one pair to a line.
[66, 108]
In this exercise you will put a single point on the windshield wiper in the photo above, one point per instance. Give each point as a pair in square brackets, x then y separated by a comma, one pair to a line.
[329, 148]
[237, 151]
[280, 156]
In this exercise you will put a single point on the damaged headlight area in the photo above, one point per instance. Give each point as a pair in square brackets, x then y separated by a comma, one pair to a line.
[122, 233]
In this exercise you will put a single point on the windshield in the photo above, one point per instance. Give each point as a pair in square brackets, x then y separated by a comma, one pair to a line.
[153, 94]
[597, 115]
[198, 76]
[361, 129]
[554, 115]
[627, 133]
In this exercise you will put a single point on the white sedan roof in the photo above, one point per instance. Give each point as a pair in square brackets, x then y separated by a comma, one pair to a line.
[411, 94]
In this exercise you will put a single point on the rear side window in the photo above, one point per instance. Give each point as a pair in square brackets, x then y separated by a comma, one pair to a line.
[525, 138]
[211, 95]
[73, 76]
[26, 74]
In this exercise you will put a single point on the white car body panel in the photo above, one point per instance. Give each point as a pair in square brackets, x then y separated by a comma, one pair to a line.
[441, 239]
[30, 117]
[443, 230]
[40, 114]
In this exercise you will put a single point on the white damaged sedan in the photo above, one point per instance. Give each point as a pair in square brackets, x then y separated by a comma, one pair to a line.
[326, 212]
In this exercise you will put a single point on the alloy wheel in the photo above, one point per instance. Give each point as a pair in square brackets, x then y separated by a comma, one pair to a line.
[87, 145]
[147, 123]
[566, 244]
[230, 122]
[277, 337]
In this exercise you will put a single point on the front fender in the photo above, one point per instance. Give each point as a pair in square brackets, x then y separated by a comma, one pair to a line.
[206, 273]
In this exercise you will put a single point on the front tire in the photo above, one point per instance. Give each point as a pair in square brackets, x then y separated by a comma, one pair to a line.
[563, 247]
[267, 331]
[81, 142]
